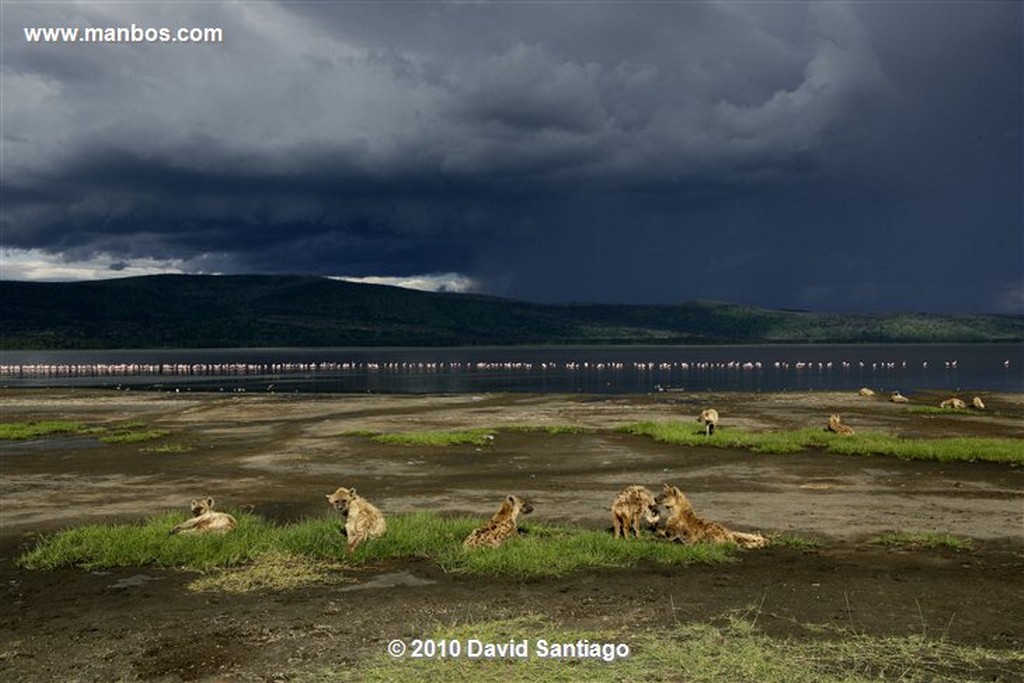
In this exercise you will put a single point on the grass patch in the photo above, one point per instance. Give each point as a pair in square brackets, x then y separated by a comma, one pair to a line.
[168, 448]
[474, 437]
[553, 430]
[102, 546]
[34, 430]
[696, 653]
[796, 542]
[127, 436]
[544, 550]
[936, 410]
[952, 449]
[272, 571]
[133, 431]
[913, 540]
[359, 432]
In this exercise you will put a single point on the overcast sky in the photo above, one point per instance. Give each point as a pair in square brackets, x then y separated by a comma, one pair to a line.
[831, 156]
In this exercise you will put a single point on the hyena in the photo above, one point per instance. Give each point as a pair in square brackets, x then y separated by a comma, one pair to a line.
[362, 520]
[977, 403]
[709, 418]
[865, 391]
[205, 520]
[685, 526]
[633, 505]
[835, 424]
[954, 403]
[897, 397]
[502, 525]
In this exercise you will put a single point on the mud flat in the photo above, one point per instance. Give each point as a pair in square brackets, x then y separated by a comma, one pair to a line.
[282, 453]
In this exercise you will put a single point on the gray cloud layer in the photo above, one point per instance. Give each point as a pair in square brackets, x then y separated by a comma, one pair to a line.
[822, 155]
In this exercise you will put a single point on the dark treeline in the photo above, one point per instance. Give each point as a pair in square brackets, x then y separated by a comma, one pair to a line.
[194, 311]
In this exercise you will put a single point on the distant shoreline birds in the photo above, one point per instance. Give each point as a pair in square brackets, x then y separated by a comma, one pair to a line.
[132, 369]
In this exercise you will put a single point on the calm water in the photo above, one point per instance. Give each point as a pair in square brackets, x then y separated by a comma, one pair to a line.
[630, 369]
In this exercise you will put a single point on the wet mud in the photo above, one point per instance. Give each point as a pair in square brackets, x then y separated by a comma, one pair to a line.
[282, 453]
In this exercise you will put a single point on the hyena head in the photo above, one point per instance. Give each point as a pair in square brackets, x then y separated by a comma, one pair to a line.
[672, 498]
[834, 419]
[518, 506]
[341, 499]
[707, 415]
[200, 506]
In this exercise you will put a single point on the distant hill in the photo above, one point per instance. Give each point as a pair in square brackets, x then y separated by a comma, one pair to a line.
[195, 311]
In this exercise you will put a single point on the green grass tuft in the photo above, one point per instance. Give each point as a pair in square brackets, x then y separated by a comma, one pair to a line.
[474, 437]
[543, 550]
[100, 546]
[553, 430]
[168, 448]
[126, 432]
[359, 432]
[132, 436]
[796, 542]
[1003, 450]
[34, 430]
[936, 410]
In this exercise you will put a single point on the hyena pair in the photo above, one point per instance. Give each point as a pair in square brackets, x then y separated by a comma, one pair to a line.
[364, 521]
[636, 503]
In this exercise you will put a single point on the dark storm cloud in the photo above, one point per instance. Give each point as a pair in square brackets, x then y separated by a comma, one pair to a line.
[800, 155]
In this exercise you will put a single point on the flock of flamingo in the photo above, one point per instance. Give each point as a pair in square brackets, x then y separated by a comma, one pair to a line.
[69, 370]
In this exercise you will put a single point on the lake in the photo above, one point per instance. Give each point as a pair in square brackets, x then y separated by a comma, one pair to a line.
[554, 369]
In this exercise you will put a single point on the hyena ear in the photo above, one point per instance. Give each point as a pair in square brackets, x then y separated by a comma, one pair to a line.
[209, 501]
[352, 492]
[327, 496]
[512, 499]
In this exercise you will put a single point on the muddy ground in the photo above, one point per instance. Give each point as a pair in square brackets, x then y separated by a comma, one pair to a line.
[282, 453]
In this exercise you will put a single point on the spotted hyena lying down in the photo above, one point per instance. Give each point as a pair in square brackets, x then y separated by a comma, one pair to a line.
[709, 418]
[633, 505]
[502, 525]
[205, 520]
[685, 526]
[363, 521]
[836, 424]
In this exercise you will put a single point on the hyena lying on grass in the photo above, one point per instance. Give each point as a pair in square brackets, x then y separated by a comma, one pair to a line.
[502, 525]
[709, 418]
[362, 520]
[685, 526]
[205, 520]
[835, 424]
[633, 505]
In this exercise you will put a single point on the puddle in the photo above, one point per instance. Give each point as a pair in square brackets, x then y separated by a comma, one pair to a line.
[39, 445]
[133, 581]
[392, 580]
